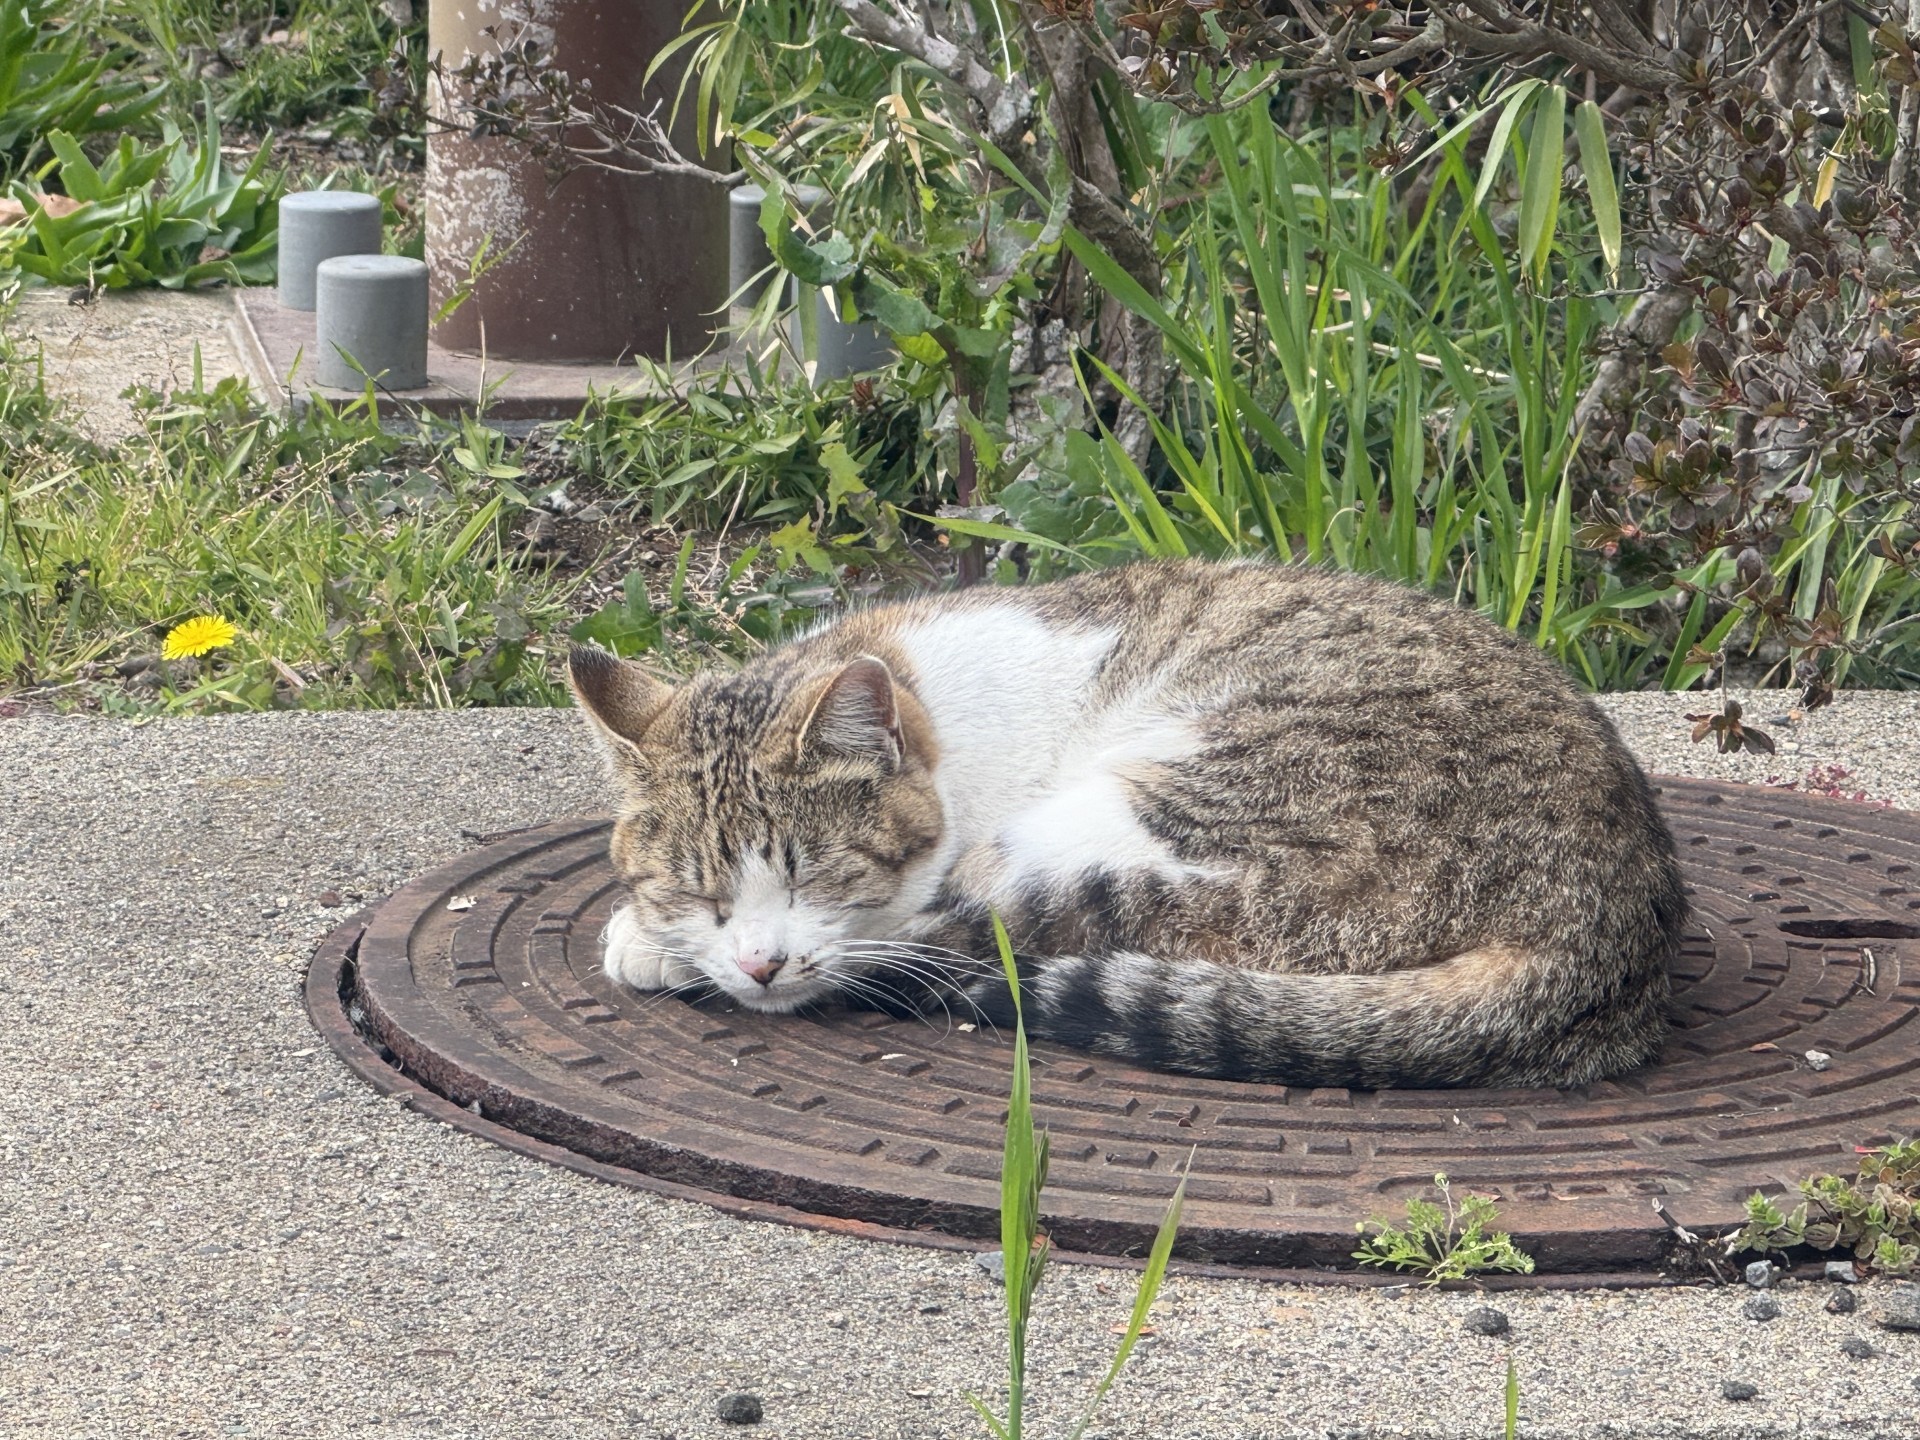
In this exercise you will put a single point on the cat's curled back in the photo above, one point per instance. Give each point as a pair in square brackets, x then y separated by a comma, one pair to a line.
[1259, 822]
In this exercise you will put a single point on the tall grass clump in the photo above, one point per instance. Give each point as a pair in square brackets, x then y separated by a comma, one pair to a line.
[1374, 387]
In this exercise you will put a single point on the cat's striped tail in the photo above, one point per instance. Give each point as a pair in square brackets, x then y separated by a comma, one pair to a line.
[1495, 1015]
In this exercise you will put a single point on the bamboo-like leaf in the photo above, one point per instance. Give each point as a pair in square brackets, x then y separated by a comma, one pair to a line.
[1516, 105]
[1559, 545]
[1596, 163]
[987, 530]
[1823, 182]
[470, 533]
[1540, 189]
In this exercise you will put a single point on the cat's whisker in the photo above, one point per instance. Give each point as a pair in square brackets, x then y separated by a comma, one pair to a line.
[940, 988]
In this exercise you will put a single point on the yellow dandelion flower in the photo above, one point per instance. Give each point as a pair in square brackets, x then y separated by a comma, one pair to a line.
[196, 637]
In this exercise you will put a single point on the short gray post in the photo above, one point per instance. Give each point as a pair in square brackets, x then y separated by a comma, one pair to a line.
[374, 309]
[839, 348]
[747, 252]
[844, 349]
[317, 225]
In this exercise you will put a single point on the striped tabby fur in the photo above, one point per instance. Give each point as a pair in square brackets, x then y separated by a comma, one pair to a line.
[1250, 821]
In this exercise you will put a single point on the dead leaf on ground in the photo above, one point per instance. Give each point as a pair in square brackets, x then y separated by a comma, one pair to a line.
[15, 212]
[1121, 1329]
[1290, 1312]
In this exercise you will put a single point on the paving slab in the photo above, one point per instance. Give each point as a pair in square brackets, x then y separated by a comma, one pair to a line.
[212, 1228]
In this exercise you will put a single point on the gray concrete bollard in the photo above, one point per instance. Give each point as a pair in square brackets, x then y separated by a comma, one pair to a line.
[374, 308]
[317, 225]
[844, 349]
[747, 252]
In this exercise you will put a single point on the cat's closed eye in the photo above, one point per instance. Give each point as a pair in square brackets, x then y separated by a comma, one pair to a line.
[721, 908]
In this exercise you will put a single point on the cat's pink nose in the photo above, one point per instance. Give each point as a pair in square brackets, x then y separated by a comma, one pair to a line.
[759, 965]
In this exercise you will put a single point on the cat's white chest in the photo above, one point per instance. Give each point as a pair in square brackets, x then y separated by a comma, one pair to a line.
[1030, 764]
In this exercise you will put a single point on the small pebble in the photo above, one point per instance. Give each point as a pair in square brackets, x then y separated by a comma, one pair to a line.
[933, 1309]
[1760, 1274]
[1843, 1271]
[1856, 1349]
[836, 1321]
[329, 899]
[1842, 1302]
[1897, 1307]
[1761, 1307]
[1485, 1320]
[739, 1408]
[994, 1262]
[1818, 1060]
[1738, 1390]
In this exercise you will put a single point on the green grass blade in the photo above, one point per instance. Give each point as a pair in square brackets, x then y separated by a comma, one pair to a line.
[1022, 1173]
[1677, 662]
[471, 533]
[1596, 163]
[1518, 99]
[1540, 189]
[1143, 1298]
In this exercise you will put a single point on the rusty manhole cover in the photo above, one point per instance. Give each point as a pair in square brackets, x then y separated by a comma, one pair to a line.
[1806, 937]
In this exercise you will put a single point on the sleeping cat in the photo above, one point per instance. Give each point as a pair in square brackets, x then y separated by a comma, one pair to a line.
[1242, 820]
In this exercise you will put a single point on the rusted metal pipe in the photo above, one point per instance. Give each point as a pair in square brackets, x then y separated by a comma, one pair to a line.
[599, 266]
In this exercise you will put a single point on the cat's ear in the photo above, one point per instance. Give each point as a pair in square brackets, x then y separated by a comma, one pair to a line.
[857, 714]
[619, 699]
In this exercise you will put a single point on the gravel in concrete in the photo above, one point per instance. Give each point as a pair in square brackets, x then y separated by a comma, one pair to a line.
[211, 1228]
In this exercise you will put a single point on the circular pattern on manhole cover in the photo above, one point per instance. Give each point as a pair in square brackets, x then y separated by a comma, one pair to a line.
[482, 980]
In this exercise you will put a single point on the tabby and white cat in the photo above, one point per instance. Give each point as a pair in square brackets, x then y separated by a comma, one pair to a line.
[1250, 821]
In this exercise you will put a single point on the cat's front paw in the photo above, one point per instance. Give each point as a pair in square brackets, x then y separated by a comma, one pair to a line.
[632, 959]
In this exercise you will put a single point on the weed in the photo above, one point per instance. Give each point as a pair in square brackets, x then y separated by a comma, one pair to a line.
[359, 566]
[743, 446]
[349, 66]
[1023, 1174]
[53, 77]
[173, 216]
[1874, 1215]
[1439, 1243]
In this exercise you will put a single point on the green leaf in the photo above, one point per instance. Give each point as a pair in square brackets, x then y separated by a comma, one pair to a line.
[627, 626]
[796, 544]
[1518, 99]
[843, 473]
[77, 174]
[1596, 163]
[470, 533]
[987, 530]
[1143, 1297]
[1540, 189]
[899, 313]
[819, 262]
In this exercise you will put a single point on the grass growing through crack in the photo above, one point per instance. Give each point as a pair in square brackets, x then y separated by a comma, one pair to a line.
[1025, 1248]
